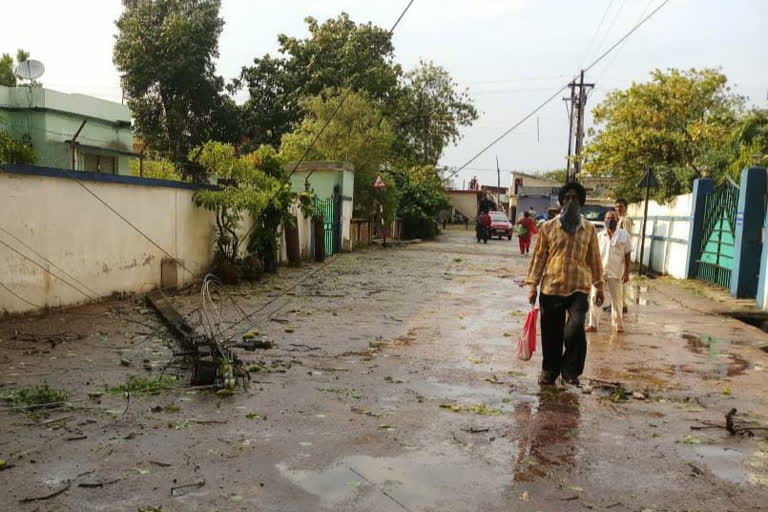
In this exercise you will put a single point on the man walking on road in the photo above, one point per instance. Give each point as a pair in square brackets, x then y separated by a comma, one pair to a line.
[625, 223]
[616, 253]
[566, 263]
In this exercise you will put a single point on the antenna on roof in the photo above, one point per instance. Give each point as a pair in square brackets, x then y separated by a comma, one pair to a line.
[30, 69]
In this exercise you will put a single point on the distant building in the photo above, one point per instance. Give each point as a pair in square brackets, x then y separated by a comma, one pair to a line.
[536, 185]
[49, 119]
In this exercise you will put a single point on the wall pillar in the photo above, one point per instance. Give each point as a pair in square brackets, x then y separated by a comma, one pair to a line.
[748, 247]
[702, 187]
[762, 286]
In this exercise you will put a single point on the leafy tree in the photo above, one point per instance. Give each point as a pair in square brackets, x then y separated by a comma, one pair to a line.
[358, 133]
[338, 53]
[13, 151]
[243, 188]
[429, 113]
[422, 198]
[7, 76]
[156, 167]
[165, 50]
[749, 142]
[677, 123]
[8, 68]
[557, 175]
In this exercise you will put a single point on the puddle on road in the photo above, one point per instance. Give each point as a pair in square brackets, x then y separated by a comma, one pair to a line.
[639, 295]
[721, 362]
[747, 465]
[417, 480]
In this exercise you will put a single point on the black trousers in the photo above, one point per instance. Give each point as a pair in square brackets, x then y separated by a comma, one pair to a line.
[556, 332]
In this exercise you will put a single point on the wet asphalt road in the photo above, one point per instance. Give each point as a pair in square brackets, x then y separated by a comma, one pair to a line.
[394, 386]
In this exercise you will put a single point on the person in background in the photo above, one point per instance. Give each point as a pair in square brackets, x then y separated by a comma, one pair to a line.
[526, 228]
[616, 254]
[625, 223]
[532, 212]
[567, 264]
[485, 217]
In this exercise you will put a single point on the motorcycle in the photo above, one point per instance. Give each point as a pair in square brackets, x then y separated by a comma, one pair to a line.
[481, 232]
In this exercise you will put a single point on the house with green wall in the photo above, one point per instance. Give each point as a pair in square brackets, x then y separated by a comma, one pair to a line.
[49, 120]
[334, 185]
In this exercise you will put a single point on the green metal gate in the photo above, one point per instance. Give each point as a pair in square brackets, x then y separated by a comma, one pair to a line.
[325, 208]
[716, 252]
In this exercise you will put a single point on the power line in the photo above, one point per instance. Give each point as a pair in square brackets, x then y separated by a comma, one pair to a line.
[46, 260]
[139, 231]
[46, 270]
[556, 93]
[343, 99]
[599, 26]
[22, 299]
[612, 24]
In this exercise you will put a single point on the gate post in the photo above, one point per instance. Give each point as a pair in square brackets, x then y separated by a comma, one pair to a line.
[762, 287]
[702, 187]
[750, 215]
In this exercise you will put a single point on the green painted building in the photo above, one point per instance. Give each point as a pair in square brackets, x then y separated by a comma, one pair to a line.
[334, 185]
[48, 120]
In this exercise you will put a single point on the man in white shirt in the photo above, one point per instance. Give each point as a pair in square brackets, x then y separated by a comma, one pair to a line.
[616, 252]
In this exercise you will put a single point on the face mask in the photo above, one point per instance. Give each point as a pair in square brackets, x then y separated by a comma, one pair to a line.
[612, 223]
[570, 218]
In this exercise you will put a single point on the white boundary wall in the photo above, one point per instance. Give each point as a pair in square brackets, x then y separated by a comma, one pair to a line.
[666, 234]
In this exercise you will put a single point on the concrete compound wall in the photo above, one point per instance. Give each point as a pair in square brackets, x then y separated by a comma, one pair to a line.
[666, 234]
[56, 218]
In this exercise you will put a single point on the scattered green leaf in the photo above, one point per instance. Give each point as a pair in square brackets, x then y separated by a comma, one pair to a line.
[35, 396]
[145, 384]
[254, 416]
[366, 412]
[480, 409]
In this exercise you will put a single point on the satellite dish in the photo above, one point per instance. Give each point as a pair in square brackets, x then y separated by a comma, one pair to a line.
[30, 69]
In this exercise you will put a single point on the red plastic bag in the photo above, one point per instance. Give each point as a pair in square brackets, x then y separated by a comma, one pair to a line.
[526, 344]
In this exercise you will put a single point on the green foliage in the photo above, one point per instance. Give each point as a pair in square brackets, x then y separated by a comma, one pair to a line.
[246, 184]
[265, 238]
[358, 133]
[677, 123]
[7, 76]
[7, 68]
[337, 53]
[429, 112]
[145, 385]
[156, 167]
[557, 175]
[165, 51]
[14, 151]
[422, 198]
[749, 143]
[35, 396]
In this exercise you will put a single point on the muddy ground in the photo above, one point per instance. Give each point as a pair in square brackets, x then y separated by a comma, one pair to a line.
[393, 386]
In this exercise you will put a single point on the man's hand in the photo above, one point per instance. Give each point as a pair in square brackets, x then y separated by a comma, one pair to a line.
[532, 294]
[599, 297]
[625, 277]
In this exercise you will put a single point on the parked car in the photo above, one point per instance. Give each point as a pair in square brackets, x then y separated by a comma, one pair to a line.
[595, 213]
[500, 225]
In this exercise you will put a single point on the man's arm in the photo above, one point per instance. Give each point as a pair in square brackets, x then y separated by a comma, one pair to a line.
[595, 264]
[627, 260]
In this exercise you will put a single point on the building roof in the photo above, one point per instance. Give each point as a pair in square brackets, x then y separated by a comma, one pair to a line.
[40, 99]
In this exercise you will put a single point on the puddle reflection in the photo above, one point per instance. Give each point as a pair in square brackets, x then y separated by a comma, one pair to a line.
[547, 434]
[721, 362]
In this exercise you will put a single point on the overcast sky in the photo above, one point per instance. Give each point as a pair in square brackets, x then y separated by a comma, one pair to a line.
[511, 54]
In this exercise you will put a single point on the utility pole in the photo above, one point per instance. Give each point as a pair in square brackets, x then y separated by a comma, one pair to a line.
[579, 93]
[498, 184]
